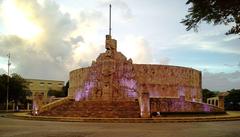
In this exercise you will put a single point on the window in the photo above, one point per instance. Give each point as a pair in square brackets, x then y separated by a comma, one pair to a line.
[49, 84]
[41, 83]
[60, 84]
[212, 102]
[30, 83]
[216, 102]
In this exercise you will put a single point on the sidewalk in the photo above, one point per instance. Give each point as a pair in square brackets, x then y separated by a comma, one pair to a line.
[230, 116]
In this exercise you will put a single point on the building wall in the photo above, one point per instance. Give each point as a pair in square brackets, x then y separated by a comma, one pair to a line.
[43, 86]
[163, 81]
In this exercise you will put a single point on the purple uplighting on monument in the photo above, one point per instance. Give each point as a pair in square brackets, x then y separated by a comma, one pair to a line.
[154, 94]
[131, 86]
[130, 83]
[181, 91]
[35, 109]
[79, 95]
[206, 108]
[83, 94]
[194, 92]
[88, 86]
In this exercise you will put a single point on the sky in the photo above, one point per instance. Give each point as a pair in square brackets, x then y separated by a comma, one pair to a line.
[49, 38]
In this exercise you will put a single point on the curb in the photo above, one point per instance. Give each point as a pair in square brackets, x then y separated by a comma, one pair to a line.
[25, 116]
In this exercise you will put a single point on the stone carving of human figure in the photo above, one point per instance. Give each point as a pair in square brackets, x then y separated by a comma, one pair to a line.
[110, 45]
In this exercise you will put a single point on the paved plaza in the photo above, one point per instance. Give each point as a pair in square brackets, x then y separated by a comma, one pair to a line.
[29, 128]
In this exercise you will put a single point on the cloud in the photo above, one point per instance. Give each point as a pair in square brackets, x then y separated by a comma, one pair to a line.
[29, 62]
[229, 65]
[231, 37]
[232, 65]
[66, 41]
[207, 41]
[46, 56]
[76, 40]
[2, 71]
[221, 81]
[165, 61]
[137, 48]
[85, 53]
[88, 23]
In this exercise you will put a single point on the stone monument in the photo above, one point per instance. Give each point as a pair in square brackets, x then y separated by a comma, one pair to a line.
[113, 86]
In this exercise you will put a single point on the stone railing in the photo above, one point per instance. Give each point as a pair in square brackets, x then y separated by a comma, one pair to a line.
[53, 104]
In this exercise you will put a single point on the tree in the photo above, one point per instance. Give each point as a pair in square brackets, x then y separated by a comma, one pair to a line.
[17, 89]
[207, 94]
[232, 100]
[213, 11]
[3, 88]
[62, 93]
[56, 93]
[65, 89]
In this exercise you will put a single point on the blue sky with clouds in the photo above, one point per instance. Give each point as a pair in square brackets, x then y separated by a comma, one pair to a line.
[51, 38]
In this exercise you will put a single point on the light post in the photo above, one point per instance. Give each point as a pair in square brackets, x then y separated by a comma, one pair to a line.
[8, 80]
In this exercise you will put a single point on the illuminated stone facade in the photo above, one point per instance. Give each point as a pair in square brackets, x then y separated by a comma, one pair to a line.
[114, 78]
[115, 87]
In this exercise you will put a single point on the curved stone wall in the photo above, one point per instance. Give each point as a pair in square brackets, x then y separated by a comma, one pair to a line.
[180, 105]
[160, 81]
[76, 80]
[163, 81]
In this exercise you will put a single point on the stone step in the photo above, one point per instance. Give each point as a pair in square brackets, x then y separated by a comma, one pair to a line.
[101, 109]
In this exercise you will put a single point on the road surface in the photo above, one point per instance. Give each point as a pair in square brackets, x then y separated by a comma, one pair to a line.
[30, 128]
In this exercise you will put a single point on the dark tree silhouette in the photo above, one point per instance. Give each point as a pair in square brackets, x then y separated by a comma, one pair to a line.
[62, 93]
[56, 93]
[232, 100]
[207, 94]
[17, 89]
[213, 11]
[65, 89]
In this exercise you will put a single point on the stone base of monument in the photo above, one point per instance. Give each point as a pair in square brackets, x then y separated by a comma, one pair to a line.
[96, 109]
[128, 109]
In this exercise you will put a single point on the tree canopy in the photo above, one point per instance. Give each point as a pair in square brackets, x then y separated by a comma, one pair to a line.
[62, 93]
[65, 88]
[17, 89]
[213, 11]
[232, 100]
[207, 94]
[56, 93]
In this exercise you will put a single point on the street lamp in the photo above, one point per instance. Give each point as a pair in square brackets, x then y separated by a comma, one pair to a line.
[8, 79]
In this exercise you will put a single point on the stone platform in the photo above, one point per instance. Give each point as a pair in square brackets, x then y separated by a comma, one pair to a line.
[229, 116]
[96, 109]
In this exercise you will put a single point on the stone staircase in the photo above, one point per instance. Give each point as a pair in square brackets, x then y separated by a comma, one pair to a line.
[95, 109]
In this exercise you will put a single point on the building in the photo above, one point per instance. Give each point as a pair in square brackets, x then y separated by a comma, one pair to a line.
[40, 86]
[218, 101]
